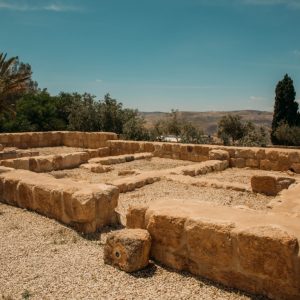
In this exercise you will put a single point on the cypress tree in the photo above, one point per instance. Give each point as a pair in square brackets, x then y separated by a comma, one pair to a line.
[285, 108]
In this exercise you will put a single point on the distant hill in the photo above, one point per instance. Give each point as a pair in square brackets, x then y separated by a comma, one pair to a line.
[208, 120]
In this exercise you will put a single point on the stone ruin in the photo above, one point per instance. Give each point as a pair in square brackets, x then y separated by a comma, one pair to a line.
[254, 251]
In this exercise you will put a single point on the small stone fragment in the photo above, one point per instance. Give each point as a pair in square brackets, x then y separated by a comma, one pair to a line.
[126, 172]
[96, 168]
[128, 249]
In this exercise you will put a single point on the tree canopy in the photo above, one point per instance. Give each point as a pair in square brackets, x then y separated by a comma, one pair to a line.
[285, 107]
[15, 80]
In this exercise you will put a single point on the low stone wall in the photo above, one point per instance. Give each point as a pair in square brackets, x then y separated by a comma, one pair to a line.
[119, 159]
[91, 140]
[47, 163]
[25, 140]
[240, 157]
[254, 251]
[17, 153]
[86, 207]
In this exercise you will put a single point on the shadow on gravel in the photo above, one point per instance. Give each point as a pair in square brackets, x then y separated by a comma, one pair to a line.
[96, 236]
[203, 281]
[148, 272]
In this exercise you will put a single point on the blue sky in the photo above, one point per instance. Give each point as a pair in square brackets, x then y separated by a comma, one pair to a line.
[155, 55]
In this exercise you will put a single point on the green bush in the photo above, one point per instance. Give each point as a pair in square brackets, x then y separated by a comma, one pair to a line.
[288, 135]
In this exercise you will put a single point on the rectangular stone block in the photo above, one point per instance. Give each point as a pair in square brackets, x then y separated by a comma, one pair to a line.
[86, 207]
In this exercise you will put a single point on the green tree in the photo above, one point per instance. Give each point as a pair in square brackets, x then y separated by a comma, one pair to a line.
[134, 129]
[231, 128]
[15, 79]
[285, 107]
[174, 125]
[35, 112]
[191, 134]
[83, 113]
[112, 115]
[288, 135]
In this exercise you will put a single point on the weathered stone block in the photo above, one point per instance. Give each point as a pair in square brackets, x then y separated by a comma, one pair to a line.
[218, 155]
[252, 163]
[135, 217]
[128, 249]
[209, 242]
[96, 168]
[270, 185]
[268, 251]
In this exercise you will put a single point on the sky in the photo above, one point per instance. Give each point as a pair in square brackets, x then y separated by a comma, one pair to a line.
[158, 55]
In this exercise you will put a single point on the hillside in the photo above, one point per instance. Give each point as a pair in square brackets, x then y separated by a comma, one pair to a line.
[208, 120]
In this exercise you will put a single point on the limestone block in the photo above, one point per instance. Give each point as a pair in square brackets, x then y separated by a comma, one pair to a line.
[296, 167]
[209, 242]
[135, 217]
[252, 163]
[104, 151]
[5, 169]
[294, 157]
[84, 206]
[245, 153]
[128, 249]
[268, 251]
[44, 163]
[96, 168]
[272, 154]
[126, 172]
[270, 185]
[261, 154]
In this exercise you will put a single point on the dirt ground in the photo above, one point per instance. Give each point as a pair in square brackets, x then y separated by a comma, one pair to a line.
[43, 259]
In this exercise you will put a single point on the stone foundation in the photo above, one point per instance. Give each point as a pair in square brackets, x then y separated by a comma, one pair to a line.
[25, 140]
[47, 163]
[262, 158]
[86, 207]
[254, 251]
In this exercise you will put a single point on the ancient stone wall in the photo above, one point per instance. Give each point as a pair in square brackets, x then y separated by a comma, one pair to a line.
[254, 251]
[25, 140]
[47, 163]
[84, 206]
[90, 140]
[240, 157]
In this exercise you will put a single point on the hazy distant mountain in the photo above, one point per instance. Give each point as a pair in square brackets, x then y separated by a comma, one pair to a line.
[208, 120]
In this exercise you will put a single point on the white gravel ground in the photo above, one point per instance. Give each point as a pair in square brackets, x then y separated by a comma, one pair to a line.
[42, 259]
[175, 190]
[244, 175]
[144, 165]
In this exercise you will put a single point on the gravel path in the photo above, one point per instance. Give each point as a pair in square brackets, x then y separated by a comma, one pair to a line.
[56, 150]
[144, 165]
[42, 259]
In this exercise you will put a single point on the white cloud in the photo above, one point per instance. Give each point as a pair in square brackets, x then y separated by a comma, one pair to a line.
[257, 98]
[296, 52]
[99, 80]
[26, 6]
